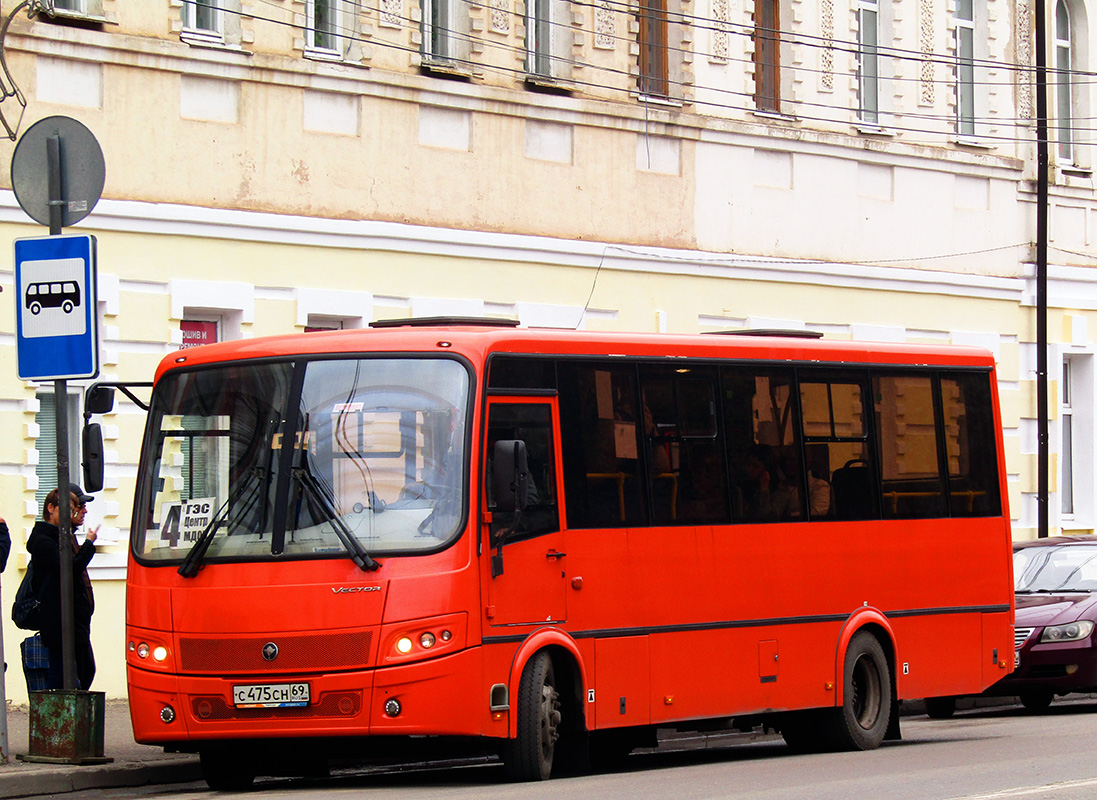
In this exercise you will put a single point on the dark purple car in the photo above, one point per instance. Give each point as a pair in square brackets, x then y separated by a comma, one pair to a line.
[1055, 581]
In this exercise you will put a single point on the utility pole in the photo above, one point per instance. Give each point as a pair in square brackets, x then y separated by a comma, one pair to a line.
[1042, 159]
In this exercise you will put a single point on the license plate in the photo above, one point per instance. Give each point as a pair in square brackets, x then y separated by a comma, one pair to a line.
[270, 695]
[1016, 659]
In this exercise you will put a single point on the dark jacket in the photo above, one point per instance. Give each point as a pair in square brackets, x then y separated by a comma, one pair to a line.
[42, 546]
[5, 545]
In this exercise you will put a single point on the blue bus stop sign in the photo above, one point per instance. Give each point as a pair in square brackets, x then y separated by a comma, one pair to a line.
[56, 313]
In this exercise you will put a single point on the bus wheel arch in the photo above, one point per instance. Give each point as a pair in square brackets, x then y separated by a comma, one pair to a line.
[865, 713]
[548, 730]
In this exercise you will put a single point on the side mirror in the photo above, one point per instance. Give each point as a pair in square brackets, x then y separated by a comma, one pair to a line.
[510, 476]
[99, 400]
[93, 457]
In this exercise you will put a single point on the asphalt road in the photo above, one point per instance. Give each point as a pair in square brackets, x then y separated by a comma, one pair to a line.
[977, 755]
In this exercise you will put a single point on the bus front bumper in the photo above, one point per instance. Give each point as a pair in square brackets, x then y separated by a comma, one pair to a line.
[442, 696]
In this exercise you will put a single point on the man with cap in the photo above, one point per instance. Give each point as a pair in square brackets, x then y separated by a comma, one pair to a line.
[44, 550]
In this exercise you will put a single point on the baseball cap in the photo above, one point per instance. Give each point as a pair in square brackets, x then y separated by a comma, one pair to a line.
[76, 490]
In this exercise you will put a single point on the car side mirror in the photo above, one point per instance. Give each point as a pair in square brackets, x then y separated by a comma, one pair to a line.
[92, 462]
[510, 477]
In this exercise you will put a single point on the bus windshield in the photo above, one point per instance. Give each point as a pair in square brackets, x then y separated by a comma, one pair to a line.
[314, 458]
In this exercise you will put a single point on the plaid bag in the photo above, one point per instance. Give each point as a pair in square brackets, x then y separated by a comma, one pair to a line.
[36, 663]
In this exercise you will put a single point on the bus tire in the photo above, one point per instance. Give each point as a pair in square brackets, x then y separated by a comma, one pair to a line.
[529, 756]
[35, 308]
[861, 722]
[226, 770]
[940, 707]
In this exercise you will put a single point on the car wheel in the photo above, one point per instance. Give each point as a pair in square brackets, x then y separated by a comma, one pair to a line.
[940, 707]
[861, 722]
[35, 308]
[67, 307]
[1037, 699]
[529, 756]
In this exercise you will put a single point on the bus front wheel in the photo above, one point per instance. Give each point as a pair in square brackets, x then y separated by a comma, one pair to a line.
[861, 722]
[226, 771]
[529, 756]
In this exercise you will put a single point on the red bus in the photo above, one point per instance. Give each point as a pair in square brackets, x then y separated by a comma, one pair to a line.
[550, 544]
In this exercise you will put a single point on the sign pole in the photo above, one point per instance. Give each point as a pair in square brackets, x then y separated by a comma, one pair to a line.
[60, 402]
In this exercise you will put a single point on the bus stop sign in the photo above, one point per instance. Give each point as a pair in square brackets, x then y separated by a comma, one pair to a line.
[56, 319]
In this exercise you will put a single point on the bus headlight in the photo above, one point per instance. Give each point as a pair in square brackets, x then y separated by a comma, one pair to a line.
[403, 645]
[159, 653]
[1071, 632]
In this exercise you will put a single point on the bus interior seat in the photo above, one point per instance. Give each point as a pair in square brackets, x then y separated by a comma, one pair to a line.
[852, 486]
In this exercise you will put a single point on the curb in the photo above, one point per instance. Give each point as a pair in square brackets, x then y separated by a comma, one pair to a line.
[63, 779]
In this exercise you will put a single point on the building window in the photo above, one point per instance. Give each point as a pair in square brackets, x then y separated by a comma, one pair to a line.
[965, 67]
[1064, 91]
[76, 6]
[1066, 485]
[323, 26]
[767, 55]
[202, 15]
[868, 13]
[654, 77]
[438, 40]
[540, 36]
[46, 443]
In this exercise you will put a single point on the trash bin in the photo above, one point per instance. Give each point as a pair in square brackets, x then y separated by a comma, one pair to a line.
[66, 727]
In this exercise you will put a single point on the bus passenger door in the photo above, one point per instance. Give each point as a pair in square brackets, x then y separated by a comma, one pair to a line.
[526, 545]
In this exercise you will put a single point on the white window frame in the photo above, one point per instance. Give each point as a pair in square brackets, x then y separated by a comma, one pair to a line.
[191, 11]
[333, 33]
[445, 52]
[1076, 479]
[964, 23]
[1064, 90]
[868, 61]
[46, 469]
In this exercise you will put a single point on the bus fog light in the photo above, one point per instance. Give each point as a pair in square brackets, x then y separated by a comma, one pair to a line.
[427, 640]
[392, 708]
[167, 714]
[403, 646]
[142, 650]
[160, 653]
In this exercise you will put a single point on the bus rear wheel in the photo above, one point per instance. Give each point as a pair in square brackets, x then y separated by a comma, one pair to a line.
[529, 756]
[861, 722]
[226, 771]
[940, 707]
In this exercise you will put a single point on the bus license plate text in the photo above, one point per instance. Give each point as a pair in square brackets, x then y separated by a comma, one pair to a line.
[270, 695]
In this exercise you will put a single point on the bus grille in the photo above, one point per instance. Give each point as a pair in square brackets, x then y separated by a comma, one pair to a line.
[296, 653]
[1020, 635]
[212, 708]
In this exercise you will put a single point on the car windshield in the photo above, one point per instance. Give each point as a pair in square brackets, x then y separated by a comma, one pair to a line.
[1063, 568]
[373, 449]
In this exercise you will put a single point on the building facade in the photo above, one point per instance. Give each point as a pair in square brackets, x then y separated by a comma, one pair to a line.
[863, 168]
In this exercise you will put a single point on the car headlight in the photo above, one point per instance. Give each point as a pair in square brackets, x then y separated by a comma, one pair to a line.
[1071, 632]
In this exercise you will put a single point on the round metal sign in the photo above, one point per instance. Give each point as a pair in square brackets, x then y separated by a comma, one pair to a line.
[83, 171]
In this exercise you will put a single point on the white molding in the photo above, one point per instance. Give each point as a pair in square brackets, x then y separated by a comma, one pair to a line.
[169, 219]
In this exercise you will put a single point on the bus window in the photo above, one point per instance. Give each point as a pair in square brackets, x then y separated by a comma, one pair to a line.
[686, 472]
[532, 424]
[763, 447]
[906, 430]
[601, 448]
[833, 413]
[970, 446]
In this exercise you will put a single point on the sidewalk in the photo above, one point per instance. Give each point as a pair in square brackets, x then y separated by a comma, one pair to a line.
[134, 764]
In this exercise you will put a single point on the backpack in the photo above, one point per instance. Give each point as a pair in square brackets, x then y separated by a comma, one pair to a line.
[26, 611]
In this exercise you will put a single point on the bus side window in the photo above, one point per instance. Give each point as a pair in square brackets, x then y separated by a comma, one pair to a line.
[763, 445]
[970, 445]
[833, 412]
[906, 435]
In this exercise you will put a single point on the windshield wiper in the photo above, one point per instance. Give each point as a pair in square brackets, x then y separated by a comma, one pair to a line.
[193, 560]
[350, 542]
